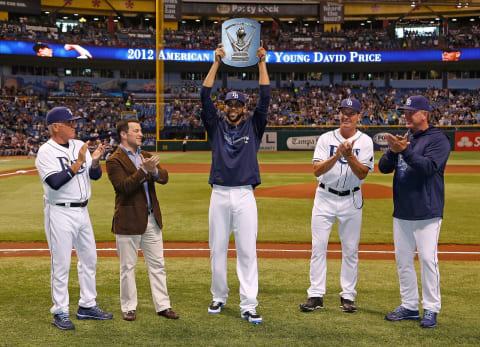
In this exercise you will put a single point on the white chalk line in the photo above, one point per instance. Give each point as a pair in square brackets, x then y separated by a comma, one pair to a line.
[231, 249]
[18, 172]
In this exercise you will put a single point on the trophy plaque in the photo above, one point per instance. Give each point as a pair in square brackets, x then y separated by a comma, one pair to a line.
[240, 39]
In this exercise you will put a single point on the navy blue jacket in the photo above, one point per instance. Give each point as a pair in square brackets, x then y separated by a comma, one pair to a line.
[234, 149]
[418, 185]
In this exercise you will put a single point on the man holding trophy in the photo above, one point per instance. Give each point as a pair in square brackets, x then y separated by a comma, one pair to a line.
[235, 139]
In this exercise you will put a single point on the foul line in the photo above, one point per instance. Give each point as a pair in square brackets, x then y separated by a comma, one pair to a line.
[18, 172]
[230, 249]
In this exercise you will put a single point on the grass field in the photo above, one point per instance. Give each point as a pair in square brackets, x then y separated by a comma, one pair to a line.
[25, 297]
[185, 199]
[25, 319]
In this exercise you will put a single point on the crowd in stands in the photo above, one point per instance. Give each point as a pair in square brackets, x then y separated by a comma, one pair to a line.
[295, 36]
[23, 127]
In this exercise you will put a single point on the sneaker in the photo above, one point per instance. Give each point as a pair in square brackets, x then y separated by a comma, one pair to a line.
[252, 316]
[429, 319]
[215, 307]
[93, 312]
[313, 303]
[347, 305]
[402, 313]
[63, 322]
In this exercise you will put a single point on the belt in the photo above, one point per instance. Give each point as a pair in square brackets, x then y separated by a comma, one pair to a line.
[73, 204]
[337, 192]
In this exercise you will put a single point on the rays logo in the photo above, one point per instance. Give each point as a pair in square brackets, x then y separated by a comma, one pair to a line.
[235, 95]
[349, 102]
[409, 102]
[65, 163]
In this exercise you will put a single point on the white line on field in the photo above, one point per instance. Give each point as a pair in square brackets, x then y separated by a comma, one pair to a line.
[18, 172]
[230, 249]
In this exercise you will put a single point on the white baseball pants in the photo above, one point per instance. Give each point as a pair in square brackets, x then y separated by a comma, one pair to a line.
[234, 209]
[326, 208]
[151, 243]
[423, 235]
[66, 227]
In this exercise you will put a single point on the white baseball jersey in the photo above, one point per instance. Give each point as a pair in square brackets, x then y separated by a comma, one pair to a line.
[340, 176]
[53, 158]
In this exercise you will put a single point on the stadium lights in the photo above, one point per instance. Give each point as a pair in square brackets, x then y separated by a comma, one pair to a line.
[197, 20]
[46, 12]
[115, 20]
[82, 20]
[369, 21]
[472, 19]
[65, 17]
[362, 24]
[459, 4]
[413, 4]
[75, 14]
[454, 19]
[214, 22]
[184, 21]
[290, 22]
[147, 18]
[306, 24]
[95, 19]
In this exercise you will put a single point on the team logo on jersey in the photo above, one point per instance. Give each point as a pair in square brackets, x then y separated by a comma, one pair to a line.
[65, 163]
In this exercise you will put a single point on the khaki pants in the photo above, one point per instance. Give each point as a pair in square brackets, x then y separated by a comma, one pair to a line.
[151, 244]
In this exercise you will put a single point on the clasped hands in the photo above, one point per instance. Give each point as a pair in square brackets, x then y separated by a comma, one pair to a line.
[150, 164]
[345, 149]
[397, 143]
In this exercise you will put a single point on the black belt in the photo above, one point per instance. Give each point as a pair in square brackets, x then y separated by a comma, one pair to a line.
[73, 204]
[339, 193]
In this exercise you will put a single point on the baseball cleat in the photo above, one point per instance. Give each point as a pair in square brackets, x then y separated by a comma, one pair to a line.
[93, 312]
[63, 322]
[347, 306]
[429, 319]
[252, 316]
[312, 304]
[402, 313]
[215, 307]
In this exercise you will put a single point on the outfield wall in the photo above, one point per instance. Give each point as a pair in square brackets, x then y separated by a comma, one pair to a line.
[465, 138]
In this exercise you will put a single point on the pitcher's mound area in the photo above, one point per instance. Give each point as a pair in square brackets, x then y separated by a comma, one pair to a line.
[307, 191]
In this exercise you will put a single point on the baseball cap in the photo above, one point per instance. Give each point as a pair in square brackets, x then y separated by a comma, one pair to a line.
[416, 103]
[60, 114]
[352, 103]
[234, 95]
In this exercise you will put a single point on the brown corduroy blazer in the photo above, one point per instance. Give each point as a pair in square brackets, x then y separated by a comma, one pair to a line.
[131, 207]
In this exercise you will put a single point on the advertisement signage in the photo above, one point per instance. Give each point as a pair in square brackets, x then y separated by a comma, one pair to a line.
[269, 142]
[467, 141]
[206, 56]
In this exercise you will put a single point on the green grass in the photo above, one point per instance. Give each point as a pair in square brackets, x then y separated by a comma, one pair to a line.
[26, 320]
[185, 201]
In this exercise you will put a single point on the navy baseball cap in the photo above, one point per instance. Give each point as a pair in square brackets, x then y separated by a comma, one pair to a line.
[416, 103]
[352, 103]
[60, 114]
[234, 95]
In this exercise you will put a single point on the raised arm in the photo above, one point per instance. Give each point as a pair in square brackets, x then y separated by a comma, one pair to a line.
[219, 55]
[263, 78]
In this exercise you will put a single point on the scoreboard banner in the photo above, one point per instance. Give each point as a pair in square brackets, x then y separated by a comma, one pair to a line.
[196, 56]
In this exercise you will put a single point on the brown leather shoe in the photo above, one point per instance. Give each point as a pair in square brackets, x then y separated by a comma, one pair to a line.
[130, 315]
[169, 314]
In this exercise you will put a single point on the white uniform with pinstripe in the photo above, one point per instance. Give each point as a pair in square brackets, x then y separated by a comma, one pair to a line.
[346, 208]
[67, 226]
